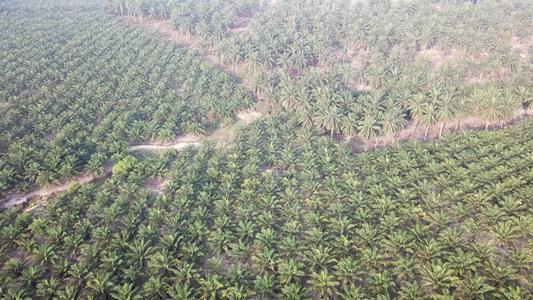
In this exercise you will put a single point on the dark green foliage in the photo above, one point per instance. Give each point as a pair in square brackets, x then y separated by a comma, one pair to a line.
[74, 85]
[414, 220]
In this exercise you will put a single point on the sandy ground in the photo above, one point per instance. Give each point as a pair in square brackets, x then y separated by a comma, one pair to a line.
[178, 146]
[45, 192]
[248, 116]
[157, 185]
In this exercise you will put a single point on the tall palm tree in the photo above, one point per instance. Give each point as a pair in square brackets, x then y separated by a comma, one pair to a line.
[416, 106]
[491, 110]
[369, 127]
[445, 110]
[428, 117]
[330, 119]
[392, 122]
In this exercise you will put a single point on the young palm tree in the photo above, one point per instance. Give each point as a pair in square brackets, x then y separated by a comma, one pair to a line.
[319, 258]
[474, 287]
[125, 292]
[155, 289]
[265, 285]
[210, 286]
[100, 284]
[290, 271]
[323, 283]
[438, 276]
[48, 288]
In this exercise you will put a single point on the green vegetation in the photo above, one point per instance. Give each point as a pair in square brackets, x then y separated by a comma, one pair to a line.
[77, 89]
[368, 67]
[286, 213]
[279, 209]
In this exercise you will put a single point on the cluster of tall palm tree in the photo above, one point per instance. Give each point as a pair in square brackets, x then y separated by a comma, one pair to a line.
[364, 50]
[285, 213]
[190, 15]
[76, 87]
[136, 8]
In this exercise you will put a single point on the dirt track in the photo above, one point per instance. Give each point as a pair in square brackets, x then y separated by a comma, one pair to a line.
[16, 199]
[182, 142]
[178, 146]
[45, 192]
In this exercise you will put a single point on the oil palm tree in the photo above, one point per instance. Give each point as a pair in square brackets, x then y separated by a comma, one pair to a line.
[438, 276]
[323, 283]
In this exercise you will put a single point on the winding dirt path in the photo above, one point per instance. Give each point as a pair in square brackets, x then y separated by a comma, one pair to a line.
[45, 192]
[178, 146]
[13, 199]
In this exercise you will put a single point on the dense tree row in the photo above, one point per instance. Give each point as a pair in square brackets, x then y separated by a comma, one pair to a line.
[190, 15]
[439, 56]
[284, 213]
[76, 88]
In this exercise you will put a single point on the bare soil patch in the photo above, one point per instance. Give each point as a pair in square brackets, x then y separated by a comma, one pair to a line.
[248, 116]
[152, 147]
[225, 134]
[187, 138]
[437, 58]
[156, 185]
[241, 26]
[523, 46]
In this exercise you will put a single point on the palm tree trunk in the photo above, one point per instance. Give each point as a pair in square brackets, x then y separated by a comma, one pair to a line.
[426, 134]
[416, 125]
[458, 123]
[441, 128]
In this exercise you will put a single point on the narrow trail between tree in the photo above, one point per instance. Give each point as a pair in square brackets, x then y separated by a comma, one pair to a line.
[45, 192]
[178, 146]
[13, 199]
